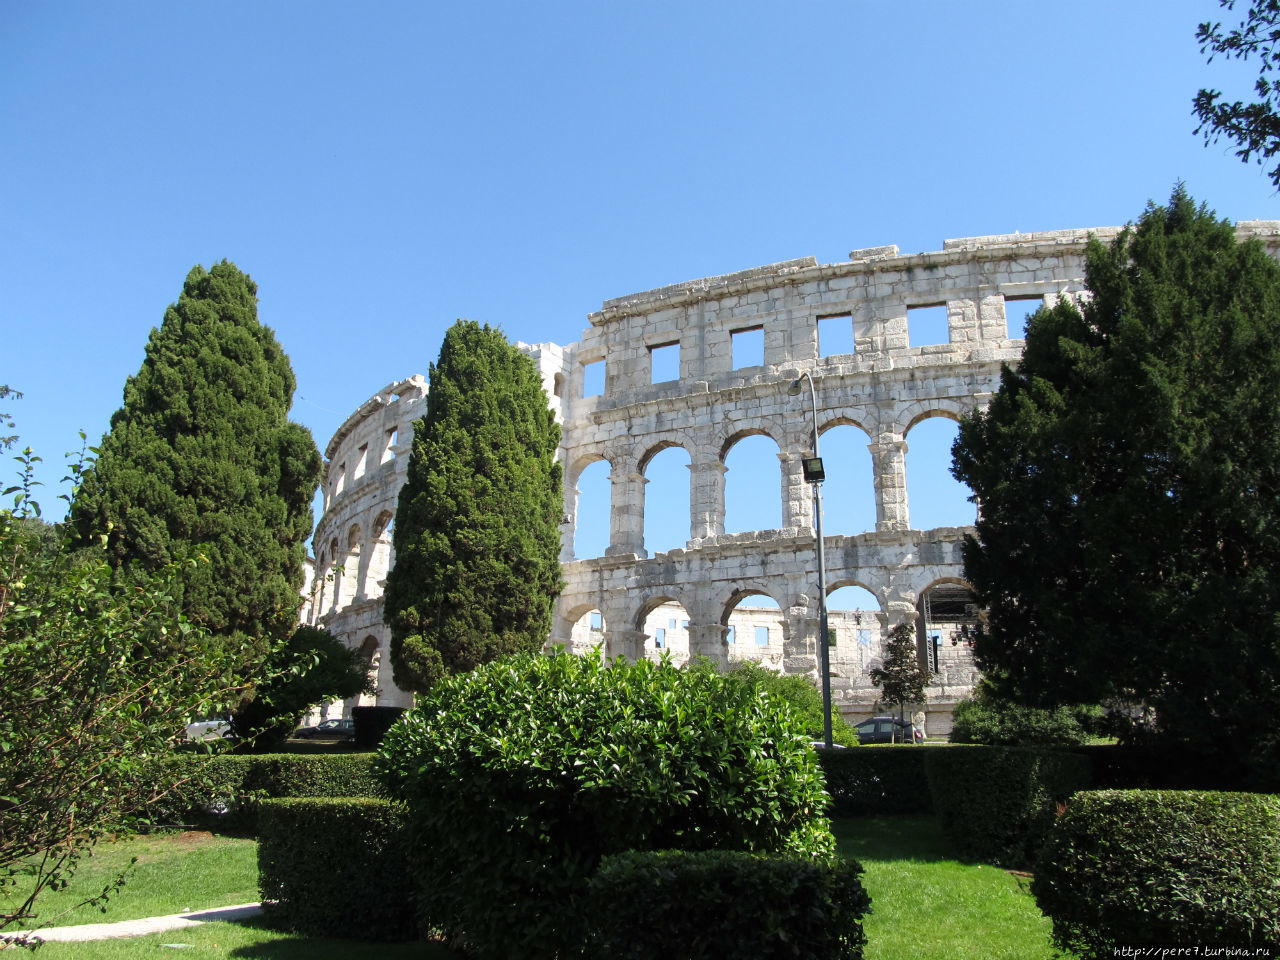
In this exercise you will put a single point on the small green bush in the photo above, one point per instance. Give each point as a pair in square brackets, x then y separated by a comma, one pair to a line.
[228, 785]
[867, 781]
[995, 722]
[1162, 869]
[995, 804]
[800, 694]
[524, 773]
[726, 905]
[337, 867]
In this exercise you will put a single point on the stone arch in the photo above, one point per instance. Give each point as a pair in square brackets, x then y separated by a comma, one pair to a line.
[588, 504]
[945, 608]
[747, 624]
[939, 499]
[951, 408]
[663, 620]
[747, 495]
[663, 491]
[371, 654]
[584, 628]
[334, 575]
[351, 564]
[850, 487]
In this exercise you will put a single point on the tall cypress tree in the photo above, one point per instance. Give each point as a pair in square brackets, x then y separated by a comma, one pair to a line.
[202, 460]
[477, 538]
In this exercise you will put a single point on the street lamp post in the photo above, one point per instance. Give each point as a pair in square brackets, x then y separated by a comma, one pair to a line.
[814, 475]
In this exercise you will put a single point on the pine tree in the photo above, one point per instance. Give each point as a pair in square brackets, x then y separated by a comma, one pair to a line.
[1129, 476]
[202, 460]
[477, 538]
[901, 679]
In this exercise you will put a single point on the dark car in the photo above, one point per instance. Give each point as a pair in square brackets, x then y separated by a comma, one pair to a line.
[335, 728]
[884, 730]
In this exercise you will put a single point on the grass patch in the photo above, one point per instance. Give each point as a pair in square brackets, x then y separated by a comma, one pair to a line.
[925, 905]
[175, 871]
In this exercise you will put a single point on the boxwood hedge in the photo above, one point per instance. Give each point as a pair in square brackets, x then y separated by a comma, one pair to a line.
[1162, 869]
[726, 905]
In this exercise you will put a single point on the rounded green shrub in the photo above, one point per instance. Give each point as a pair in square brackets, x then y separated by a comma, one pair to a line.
[521, 775]
[995, 722]
[1163, 868]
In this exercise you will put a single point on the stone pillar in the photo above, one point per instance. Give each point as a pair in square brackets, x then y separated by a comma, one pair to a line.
[709, 640]
[624, 643]
[706, 500]
[626, 528]
[889, 464]
[797, 496]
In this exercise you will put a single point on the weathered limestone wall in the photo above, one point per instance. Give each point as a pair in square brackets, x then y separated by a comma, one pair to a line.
[885, 386]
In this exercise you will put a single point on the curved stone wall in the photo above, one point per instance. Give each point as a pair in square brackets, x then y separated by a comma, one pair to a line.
[885, 387]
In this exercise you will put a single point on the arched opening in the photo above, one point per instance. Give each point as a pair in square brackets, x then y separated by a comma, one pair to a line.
[752, 485]
[334, 574]
[594, 506]
[372, 657]
[853, 628]
[351, 566]
[934, 497]
[587, 632]
[379, 555]
[666, 500]
[665, 625]
[754, 629]
[945, 629]
[848, 494]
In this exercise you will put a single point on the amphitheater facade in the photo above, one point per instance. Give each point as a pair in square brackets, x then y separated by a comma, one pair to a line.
[704, 598]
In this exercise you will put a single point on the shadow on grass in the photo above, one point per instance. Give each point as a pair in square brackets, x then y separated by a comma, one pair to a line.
[916, 839]
[280, 944]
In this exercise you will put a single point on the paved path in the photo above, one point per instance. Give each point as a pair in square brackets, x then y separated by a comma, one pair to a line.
[140, 928]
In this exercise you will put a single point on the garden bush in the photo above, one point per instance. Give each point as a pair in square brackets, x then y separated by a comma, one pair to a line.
[877, 781]
[985, 719]
[995, 804]
[336, 867]
[1163, 869]
[228, 785]
[524, 773]
[726, 905]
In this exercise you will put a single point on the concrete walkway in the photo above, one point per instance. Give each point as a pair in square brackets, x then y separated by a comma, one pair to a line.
[139, 928]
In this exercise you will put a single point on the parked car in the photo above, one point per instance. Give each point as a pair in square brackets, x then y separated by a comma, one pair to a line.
[335, 728]
[884, 730]
[213, 728]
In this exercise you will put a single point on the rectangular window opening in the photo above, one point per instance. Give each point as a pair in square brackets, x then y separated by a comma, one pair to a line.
[1016, 312]
[597, 621]
[341, 480]
[835, 335]
[660, 637]
[389, 451]
[362, 459]
[593, 378]
[748, 347]
[762, 636]
[927, 325]
[664, 362]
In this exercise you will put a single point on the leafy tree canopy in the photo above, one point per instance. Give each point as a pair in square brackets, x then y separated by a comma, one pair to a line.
[1128, 472]
[477, 539]
[99, 679]
[201, 460]
[1254, 127]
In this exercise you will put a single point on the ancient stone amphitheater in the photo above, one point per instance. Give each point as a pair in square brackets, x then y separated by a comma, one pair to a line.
[691, 601]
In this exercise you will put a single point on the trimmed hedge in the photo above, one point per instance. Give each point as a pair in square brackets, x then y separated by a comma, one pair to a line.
[1162, 869]
[879, 780]
[726, 905]
[995, 804]
[231, 784]
[337, 867]
[988, 720]
[522, 774]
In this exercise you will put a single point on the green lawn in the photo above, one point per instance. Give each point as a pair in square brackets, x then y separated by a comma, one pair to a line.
[926, 905]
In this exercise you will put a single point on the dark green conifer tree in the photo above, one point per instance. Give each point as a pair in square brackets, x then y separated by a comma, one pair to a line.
[202, 459]
[477, 537]
[1129, 476]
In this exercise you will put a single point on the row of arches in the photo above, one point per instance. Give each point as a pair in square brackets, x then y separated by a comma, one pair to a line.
[354, 569]
[755, 487]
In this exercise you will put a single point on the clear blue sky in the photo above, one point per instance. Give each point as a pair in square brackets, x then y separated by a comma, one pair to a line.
[382, 169]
